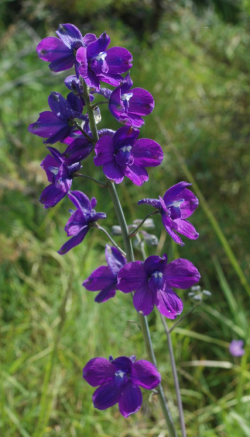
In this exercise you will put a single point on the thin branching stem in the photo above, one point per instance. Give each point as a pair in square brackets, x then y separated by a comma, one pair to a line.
[99, 103]
[79, 175]
[110, 238]
[182, 318]
[134, 232]
[83, 132]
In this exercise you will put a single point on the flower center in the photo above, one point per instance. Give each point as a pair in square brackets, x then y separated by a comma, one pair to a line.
[125, 98]
[174, 208]
[101, 56]
[156, 281]
[123, 156]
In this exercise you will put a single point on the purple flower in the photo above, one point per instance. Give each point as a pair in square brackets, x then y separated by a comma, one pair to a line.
[61, 53]
[74, 84]
[177, 204]
[153, 280]
[105, 277]
[124, 155]
[60, 174]
[119, 382]
[128, 106]
[236, 348]
[81, 220]
[97, 63]
[58, 124]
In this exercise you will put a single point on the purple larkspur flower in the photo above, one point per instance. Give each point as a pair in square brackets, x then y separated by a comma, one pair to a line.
[60, 173]
[81, 220]
[177, 204]
[153, 280]
[119, 382]
[75, 85]
[236, 348]
[129, 105]
[97, 63]
[58, 124]
[124, 155]
[61, 52]
[104, 278]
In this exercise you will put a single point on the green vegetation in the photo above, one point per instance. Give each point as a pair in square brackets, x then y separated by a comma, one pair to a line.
[196, 64]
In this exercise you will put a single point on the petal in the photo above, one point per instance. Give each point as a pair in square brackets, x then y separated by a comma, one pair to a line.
[131, 277]
[51, 48]
[47, 125]
[75, 102]
[168, 303]
[98, 371]
[147, 153]
[190, 203]
[145, 374]
[123, 363]
[125, 136]
[70, 35]
[75, 223]
[181, 273]
[78, 150]
[51, 196]
[62, 108]
[155, 263]
[46, 164]
[106, 294]
[130, 399]
[60, 135]
[113, 171]
[74, 241]
[104, 150]
[170, 231]
[175, 192]
[141, 103]
[111, 79]
[88, 39]
[98, 46]
[119, 60]
[106, 395]
[152, 202]
[186, 228]
[143, 300]
[115, 259]
[99, 279]
[80, 200]
[62, 64]
[136, 174]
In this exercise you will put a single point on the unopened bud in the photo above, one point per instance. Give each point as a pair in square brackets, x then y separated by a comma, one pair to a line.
[116, 230]
[97, 114]
[150, 240]
[207, 293]
[196, 288]
[148, 224]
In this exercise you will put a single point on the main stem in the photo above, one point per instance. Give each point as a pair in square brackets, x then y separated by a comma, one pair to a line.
[130, 257]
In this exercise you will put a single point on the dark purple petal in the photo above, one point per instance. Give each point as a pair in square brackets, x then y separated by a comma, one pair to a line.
[113, 171]
[49, 164]
[88, 39]
[145, 374]
[152, 202]
[97, 216]
[170, 231]
[175, 192]
[63, 180]
[51, 49]
[138, 175]
[130, 399]
[51, 196]
[62, 64]
[62, 108]
[56, 154]
[185, 228]
[131, 277]
[143, 299]
[78, 150]
[189, 205]
[81, 57]
[60, 135]
[70, 35]
[106, 395]
[48, 124]
[92, 80]
[115, 259]
[119, 60]
[74, 241]
[168, 303]
[141, 102]
[155, 263]
[147, 153]
[93, 202]
[106, 294]
[99, 279]
[125, 136]
[123, 363]
[99, 46]
[75, 223]
[80, 200]
[75, 102]
[104, 150]
[181, 273]
[98, 371]
[111, 79]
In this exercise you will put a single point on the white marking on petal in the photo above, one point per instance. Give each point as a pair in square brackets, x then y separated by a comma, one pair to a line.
[126, 96]
[101, 56]
[126, 149]
[120, 373]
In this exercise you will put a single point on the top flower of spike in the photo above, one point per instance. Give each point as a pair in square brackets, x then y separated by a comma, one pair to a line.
[99, 64]
[61, 53]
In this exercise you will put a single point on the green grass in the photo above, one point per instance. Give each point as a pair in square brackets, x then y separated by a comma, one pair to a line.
[50, 325]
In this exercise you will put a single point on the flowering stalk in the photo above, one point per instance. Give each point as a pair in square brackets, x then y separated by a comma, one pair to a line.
[130, 257]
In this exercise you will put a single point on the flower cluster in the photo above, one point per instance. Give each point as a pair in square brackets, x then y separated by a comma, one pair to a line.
[120, 153]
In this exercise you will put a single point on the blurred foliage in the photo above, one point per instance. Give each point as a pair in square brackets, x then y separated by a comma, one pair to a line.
[194, 58]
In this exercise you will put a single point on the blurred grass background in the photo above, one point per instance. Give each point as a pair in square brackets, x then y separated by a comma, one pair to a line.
[193, 56]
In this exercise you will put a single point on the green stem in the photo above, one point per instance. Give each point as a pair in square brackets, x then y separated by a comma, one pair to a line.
[110, 238]
[130, 257]
[79, 175]
[134, 232]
